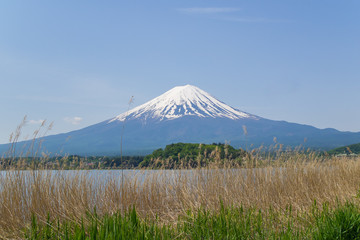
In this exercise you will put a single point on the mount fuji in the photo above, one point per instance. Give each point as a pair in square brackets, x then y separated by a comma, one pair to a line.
[187, 114]
[180, 102]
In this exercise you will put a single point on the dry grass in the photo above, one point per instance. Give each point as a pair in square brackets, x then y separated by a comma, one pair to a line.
[294, 178]
[70, 195]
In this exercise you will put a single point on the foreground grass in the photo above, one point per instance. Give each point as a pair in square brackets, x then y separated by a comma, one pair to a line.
[116, 226]
[342, 222]
[262, 199]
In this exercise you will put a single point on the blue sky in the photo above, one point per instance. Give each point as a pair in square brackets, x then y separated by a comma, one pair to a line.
[76, 63]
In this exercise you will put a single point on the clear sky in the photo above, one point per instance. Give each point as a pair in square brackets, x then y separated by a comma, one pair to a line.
[76, 63]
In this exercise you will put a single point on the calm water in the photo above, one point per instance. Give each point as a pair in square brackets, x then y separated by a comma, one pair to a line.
[103, 176]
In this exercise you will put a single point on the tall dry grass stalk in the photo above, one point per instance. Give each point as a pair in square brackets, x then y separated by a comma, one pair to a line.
[70, 195]
[276, 180]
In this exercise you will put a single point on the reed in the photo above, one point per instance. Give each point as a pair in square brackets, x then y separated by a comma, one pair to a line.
[166, 195]
[281, 184]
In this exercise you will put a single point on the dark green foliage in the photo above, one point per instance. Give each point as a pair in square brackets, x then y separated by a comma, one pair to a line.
[351, 149]
[126, 162]
[193, 153]
[188, 154]
[72, 162]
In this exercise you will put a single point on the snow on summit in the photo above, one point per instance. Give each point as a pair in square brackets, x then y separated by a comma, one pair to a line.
[182, 101]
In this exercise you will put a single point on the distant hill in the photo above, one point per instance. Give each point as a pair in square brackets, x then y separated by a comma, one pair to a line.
[191, 154]
[350, 149]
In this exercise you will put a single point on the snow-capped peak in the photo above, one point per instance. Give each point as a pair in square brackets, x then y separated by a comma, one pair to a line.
[182, 101]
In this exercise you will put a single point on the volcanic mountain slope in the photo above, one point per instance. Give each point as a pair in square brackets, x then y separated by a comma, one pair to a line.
[187, 114]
